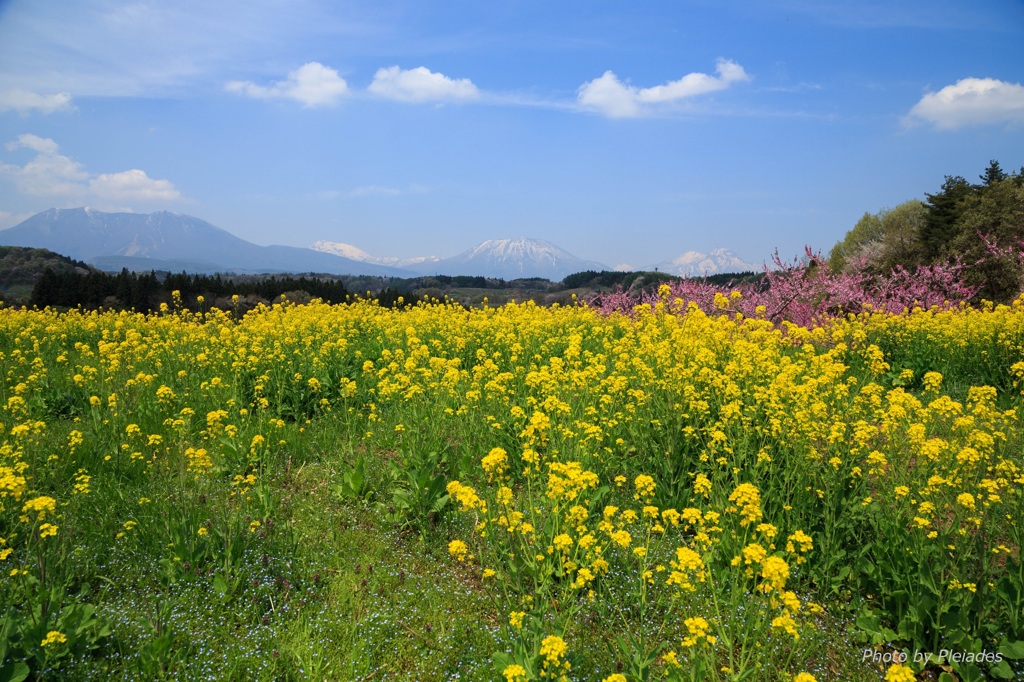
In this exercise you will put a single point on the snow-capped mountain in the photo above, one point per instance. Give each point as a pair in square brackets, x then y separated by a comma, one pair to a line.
[170, 241]
[513, 259]
[697, 264]
[355, 253]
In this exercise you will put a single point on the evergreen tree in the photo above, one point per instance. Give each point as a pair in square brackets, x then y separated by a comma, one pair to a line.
[940, 224]
[993, 174]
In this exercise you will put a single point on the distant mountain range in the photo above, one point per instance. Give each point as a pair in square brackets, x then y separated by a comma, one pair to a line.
[514, 258]
[500, 258]
[170, 241]
[176, 242]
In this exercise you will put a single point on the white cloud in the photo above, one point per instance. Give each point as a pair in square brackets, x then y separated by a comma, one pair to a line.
[616, 99]
[133, 185]
[312, 84]
[421, 85]
[49, 174]
[43, 145]
[26, 101]
[52, 175]
[971, 101]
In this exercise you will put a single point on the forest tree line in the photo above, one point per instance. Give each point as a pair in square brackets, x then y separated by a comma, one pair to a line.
[144, 292]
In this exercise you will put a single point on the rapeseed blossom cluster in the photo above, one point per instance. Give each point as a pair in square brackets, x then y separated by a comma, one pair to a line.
[595, 462]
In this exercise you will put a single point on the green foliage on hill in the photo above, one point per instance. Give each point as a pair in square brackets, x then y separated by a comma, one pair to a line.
[978, 224]
[608, 278]
[21, 265]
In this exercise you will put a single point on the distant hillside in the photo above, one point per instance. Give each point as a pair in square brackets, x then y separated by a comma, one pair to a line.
[170, 241]
[22, 267]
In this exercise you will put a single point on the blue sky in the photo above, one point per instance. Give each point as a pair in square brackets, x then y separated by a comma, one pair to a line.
[623, 132]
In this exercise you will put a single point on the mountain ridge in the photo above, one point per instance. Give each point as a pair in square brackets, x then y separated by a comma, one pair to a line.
[166, 239]
[172, 241]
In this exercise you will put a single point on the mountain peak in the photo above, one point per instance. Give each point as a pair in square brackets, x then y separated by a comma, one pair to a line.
[698, 264]
[357, 254]
[516, 258]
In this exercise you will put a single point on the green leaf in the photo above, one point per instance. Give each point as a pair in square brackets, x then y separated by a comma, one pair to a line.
[969, 672]
[1002, 671]
[14, 672]
[220, 584]
[1012, 650]
[869, 623]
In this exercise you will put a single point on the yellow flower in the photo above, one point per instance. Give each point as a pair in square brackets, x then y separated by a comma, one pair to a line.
[515, 619]
[495, 464]
[47, 530]
[785, 622]
[622, 538]
[698, 629]
[799, 540]
[644, 487]
[754, 554]
[458, 549]
[899, 673]
[702, 485]
[804, 677]
[775, 571]
[553, 648]
[514, 673]
[747, 499]
[203, 531]
[53, 637]
[562, 542]
[40, 505]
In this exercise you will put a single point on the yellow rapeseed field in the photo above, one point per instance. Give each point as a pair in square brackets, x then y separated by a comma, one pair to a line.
[695, 495]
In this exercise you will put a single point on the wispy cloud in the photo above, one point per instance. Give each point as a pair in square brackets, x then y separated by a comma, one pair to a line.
[365, 191]
[312, 84]
[144, 48]
[374, 191]
[421, 85]
[53, 176]
[26, 102]
[617, 99]
[969, 102]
